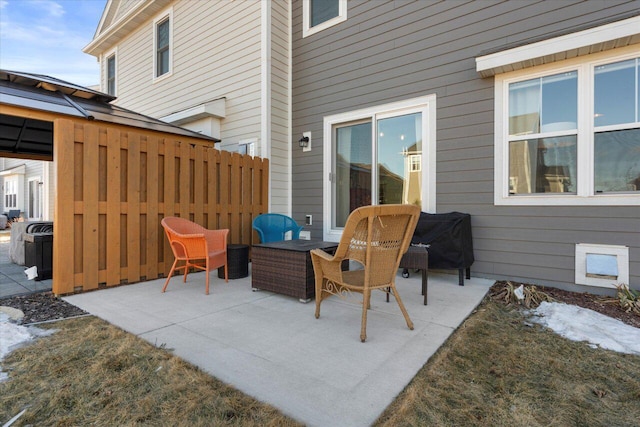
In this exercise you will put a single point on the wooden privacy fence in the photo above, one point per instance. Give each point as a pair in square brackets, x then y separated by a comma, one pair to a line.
[114, 186]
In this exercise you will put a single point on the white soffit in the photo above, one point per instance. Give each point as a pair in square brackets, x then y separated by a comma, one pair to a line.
[605, 37]
[215, 108]
[16, 170]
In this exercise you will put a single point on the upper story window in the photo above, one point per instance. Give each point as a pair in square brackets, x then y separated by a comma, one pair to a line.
[163, 45]
[321, 14]
[111, 74]
[415, 163]
[570, 133]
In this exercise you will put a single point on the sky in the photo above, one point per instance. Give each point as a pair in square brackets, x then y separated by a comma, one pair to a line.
[570, 321]
[47, 37]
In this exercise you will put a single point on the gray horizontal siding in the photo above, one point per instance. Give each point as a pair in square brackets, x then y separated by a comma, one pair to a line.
[389, 51]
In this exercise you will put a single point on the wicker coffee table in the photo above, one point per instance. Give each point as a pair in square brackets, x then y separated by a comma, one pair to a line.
[285, 267]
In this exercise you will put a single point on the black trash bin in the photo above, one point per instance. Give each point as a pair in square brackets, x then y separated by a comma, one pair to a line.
[38, 251]
[237, 262]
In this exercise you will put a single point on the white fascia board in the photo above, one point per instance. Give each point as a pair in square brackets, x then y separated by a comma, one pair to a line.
[105, 11]
[491, 64]
[16, 170]
[124, 25]
[215, 108]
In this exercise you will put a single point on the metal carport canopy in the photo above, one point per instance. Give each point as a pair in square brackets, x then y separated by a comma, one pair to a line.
[26, 137]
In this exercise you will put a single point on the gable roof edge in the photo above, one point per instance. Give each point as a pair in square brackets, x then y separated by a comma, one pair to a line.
[105, 12]
[107, 37]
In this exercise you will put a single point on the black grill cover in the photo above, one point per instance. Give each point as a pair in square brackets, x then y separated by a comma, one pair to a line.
[449, 238]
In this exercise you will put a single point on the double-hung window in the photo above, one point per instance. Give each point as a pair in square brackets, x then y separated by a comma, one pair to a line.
[111, 74]
[11, 184]
[322, 14]
[379, 155]
[569, 133]
[163, 49]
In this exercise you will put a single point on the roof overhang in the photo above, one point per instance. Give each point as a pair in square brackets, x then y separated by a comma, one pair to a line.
[215, 108]
[18, 170]
[138, 14]
[23, 136]
[612, 35]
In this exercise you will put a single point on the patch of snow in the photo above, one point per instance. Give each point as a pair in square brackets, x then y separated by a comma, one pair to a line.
[581, 324]
[12, 336]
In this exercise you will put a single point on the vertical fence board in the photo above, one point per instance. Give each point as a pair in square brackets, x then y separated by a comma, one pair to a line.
[246, 217]
[198, 183]
[224, 189]
[90, 184]
[213, 173]
[260, 193]
[133, 208]
[236, 197]
[184, 187]
[63, 137]
[113, 207]
[153, 231]
[169, 194]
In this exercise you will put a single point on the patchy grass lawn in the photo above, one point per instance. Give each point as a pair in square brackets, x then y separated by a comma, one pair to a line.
[493, 371]
[92, 373]
[497, 371]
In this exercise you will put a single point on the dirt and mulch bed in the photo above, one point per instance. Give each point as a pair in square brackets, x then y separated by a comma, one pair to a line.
[609, 306]
[42, 307]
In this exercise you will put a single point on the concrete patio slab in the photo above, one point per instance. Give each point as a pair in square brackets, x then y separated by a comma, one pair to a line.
[13, 280]
[273, 348]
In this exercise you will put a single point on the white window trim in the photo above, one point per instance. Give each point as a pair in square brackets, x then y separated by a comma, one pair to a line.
[164, 15]
[40, 207]
[427, 106]
[17, 183]
[415, 163]
[622, 258]
[249, 146]
[107, 56]
[307, 30]
[585, 161]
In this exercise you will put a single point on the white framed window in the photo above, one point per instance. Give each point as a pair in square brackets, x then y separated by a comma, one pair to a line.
[370, 157]
[318, 15]
[163, 45]
[415, 162]
[11, 192]
[247, 146]
[568, 133]
[111, 73]
[34, 206]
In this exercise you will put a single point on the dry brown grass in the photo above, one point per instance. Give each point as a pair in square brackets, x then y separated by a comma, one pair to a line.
[494, 370]
[92, 373]
[497, 371]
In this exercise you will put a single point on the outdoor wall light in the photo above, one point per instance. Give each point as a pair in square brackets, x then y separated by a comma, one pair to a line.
[304, 142]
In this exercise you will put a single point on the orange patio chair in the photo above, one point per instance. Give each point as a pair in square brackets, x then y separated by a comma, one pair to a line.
[195, 245]
[375, 237]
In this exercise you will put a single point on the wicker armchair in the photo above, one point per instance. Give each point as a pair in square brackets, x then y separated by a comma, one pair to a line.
[376, 237]
[195, 245]
[272, 227]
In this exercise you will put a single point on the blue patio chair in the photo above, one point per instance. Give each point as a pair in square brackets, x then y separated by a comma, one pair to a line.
[272, 227]
[13, 215]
